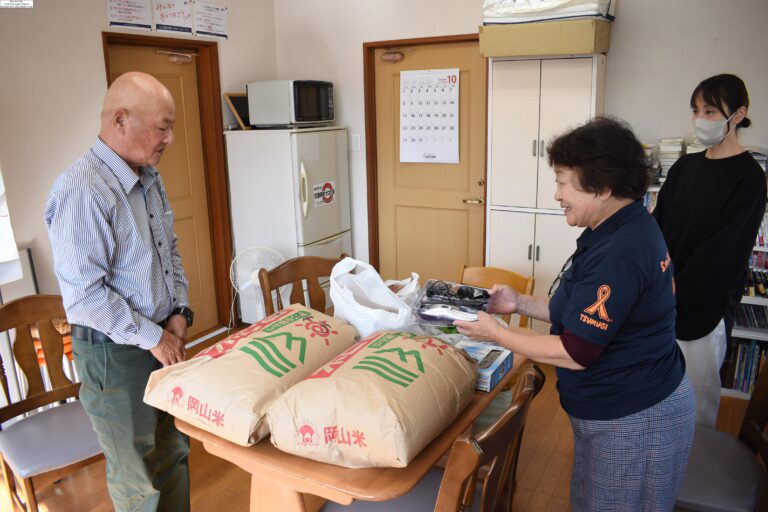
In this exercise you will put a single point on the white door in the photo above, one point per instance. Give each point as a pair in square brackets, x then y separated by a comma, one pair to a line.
[514, 132]
[321, 182]
[511, 241]
[555, 242]
[566, 102]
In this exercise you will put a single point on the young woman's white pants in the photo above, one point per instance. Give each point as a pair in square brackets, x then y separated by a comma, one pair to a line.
[703, 358]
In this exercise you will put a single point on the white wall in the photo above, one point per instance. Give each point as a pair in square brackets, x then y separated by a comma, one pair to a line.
[660, 50]
[52, 82]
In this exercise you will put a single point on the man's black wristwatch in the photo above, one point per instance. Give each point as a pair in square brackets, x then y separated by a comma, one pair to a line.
[186, 313]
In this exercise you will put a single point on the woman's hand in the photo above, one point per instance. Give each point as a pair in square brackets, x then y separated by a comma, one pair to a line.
[504, 300]
[484, 329]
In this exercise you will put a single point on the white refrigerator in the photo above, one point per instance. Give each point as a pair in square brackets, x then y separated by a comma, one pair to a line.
[289, 191]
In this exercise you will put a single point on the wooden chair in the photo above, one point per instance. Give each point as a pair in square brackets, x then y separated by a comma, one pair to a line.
[459, 488]
[486, 277]
[295, 271]
[41, 447]
[724, 473]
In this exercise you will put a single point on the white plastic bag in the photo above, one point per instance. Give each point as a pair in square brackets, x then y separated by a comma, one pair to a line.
[407, 289]
[361, 298]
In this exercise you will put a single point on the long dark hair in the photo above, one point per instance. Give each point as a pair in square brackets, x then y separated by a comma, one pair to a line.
[723, 91]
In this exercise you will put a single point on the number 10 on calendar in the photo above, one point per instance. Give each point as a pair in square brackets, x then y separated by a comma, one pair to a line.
[429, 116]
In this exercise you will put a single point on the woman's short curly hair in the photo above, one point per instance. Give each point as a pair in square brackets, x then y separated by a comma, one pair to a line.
[606, 155]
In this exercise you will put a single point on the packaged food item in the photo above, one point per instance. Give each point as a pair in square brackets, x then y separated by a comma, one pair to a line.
[376, 405]
[227, 388]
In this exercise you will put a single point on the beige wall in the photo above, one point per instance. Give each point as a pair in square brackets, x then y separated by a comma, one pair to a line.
[52, 81]
[660, 50]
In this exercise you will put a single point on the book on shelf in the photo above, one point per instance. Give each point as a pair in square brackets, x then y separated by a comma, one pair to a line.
[743, 363]
[649, 201]
[761, 240]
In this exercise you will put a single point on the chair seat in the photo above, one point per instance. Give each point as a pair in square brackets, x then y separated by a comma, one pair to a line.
[722, 475]
[51, 439]
[420, 498]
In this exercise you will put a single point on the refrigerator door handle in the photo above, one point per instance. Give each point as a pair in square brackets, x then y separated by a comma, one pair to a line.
[304, 191]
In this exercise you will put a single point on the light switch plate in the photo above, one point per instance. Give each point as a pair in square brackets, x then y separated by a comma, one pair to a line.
[355, 143]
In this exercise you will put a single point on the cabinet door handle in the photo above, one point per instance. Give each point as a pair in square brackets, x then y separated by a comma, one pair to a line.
[541, 147]
[530, 248]
[479, 200]
[537, 253]
[534, 147]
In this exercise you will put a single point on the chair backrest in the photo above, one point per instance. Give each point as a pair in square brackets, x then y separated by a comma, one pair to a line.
[497, 448]
[486, 277]
[22, 315]
[756, 417]
[295, 271]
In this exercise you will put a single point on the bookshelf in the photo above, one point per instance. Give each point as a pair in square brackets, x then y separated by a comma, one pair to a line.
[748, 345]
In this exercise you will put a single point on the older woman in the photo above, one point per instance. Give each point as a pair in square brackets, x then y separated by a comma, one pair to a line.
[621, 375]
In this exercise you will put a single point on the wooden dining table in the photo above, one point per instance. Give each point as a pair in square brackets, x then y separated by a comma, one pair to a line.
[282, 482]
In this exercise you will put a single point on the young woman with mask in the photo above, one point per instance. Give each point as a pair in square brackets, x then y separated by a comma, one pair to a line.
[709, 210]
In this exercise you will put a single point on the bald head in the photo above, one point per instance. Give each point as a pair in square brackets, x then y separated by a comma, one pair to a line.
[137, 119]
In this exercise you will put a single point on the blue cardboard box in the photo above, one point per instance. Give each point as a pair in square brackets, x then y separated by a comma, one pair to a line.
[493, 362]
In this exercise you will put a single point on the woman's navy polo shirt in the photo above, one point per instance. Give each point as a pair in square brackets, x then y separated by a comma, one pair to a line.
[618, 293]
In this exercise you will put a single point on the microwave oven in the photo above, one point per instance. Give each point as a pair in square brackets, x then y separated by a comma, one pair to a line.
[290, 103]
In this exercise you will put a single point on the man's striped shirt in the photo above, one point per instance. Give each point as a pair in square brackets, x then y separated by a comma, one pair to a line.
[114, 248]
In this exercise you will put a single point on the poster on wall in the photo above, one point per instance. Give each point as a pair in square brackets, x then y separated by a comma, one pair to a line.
[136, 14]
[429, 116]
[173, 16]
[211, 20]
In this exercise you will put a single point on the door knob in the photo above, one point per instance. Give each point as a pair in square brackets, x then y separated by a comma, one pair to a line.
[473, 201]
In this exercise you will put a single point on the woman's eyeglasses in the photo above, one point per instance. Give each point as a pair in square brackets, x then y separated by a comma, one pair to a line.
[556, 282]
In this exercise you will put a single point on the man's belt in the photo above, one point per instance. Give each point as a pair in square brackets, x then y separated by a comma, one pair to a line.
[90, 334]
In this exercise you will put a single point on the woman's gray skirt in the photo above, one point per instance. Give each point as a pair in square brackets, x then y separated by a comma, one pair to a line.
[634, 463]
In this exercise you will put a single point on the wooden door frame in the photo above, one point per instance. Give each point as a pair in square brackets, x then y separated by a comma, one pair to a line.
[369, 85]
[211, 123]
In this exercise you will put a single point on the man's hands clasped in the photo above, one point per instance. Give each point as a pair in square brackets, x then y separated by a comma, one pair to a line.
[171, 348]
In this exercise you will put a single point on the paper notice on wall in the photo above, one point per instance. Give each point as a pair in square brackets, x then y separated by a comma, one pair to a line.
[10, 266]
[136, 14]
[211, 20]
[173, 16]
[429, 116]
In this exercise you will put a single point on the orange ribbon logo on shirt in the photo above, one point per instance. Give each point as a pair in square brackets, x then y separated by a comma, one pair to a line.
[602, 296]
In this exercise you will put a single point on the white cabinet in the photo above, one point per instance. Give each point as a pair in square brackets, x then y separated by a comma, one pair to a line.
[531, 244]
[536, 244]
[530, 102]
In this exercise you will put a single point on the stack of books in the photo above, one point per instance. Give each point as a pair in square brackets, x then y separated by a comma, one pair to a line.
[670, 149]
[695, 147]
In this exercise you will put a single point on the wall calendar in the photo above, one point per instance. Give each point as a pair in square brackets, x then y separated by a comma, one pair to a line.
[429, 116]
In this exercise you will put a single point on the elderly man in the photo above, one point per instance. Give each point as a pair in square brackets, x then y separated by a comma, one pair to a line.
[124, 290]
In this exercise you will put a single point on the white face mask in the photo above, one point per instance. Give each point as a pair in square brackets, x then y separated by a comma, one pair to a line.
[711, 133]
